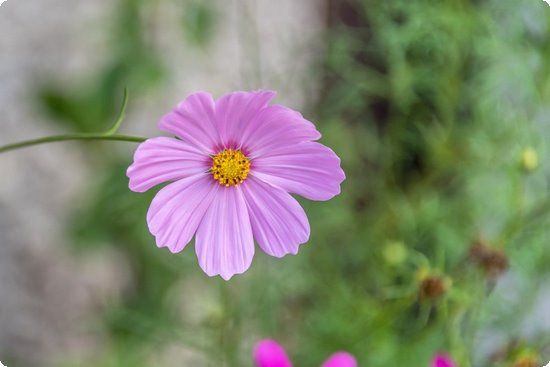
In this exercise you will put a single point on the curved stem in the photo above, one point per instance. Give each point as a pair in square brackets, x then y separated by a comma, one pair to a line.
[57, 138]
[121, 115]
[106, 135]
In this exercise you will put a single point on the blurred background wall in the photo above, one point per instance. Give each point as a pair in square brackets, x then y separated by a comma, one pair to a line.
[436, 108]
[49, 294]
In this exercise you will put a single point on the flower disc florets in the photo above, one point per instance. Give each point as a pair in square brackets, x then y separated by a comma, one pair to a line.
[230, 167]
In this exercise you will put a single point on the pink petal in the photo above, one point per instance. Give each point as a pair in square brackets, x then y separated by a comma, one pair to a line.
[340, 359]
[194, 121]
[177, 210]
[268, 353]
[275, 127]
[308, 169]
[279, 223]
[442, 360]
[234, 112]
[224, 243]
[159, 160]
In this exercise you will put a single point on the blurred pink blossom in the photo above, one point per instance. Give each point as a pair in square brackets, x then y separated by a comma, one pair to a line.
[269, 353]
[443, 360]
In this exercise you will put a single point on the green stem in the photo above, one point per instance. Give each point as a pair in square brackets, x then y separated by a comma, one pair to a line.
[66, 137]
[106, 135]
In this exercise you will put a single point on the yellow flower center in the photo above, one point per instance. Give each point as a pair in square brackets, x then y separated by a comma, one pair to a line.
[230, 167]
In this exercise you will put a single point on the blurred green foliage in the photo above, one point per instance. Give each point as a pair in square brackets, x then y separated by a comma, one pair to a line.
[199, 22]
[431, 106]
[134, 65]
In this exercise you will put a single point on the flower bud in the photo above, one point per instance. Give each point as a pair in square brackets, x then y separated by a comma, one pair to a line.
[394, 252]
[529, 159]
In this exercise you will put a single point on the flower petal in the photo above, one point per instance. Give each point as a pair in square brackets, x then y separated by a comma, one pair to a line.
[340, 359]
[268, 353]
[442, 360]
[224, 243]
[275, 127]
[279, 223]
[193, 120]
[308, 169]
[177, 210]
[234, 112]
[162, 159]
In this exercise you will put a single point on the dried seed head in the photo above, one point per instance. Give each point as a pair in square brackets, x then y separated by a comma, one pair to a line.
[433, 287]
[529, 360]
[493, 261]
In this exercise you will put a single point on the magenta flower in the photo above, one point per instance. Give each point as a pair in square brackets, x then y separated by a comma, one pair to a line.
[443, 360]
[232, 168]
[268, 353]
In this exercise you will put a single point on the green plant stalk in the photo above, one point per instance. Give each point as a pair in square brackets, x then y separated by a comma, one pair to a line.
[109, 134]
[66, 137]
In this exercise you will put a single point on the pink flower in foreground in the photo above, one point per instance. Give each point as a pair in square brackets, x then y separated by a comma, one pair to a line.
[268, 353]
[232, 168]
[442, 360]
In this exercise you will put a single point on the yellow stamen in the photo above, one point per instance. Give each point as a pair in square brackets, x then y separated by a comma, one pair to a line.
[230, 167]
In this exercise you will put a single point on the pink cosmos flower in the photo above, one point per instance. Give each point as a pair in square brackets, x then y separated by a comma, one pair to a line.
[268, 353]
[231, 169]
[443, 360]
